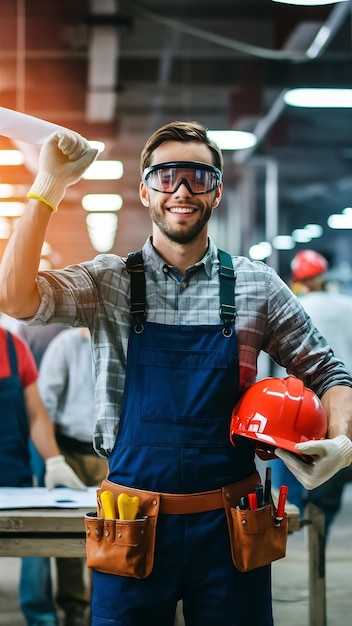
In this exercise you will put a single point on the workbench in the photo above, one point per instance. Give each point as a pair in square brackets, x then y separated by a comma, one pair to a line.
[42, 532]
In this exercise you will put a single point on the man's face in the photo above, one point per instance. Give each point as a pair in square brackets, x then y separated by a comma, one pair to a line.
[182, 215]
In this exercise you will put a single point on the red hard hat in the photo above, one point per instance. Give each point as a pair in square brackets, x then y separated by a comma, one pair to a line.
[278, 413]
[308, 263]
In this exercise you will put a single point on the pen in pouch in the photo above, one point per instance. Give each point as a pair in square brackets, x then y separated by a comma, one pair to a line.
[267, 487]
[259, 491]
[243, 505]
[280, 512]
[252, 501]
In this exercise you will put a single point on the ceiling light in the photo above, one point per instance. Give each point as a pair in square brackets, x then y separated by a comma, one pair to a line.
[309, 3]
[260, 251]
[11, 157]
[319, 98]
[301, 235]
[102, 229]
[7, 191]
[46, 249]
[232, 139]
[315, 230]
[339, 221]
[11, 209]
[45, 264]
[98, 145]
[102, 202]
[283, 242]
[104, 170]
[5, 228]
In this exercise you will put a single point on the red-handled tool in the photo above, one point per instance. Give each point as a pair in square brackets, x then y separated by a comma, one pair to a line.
[280, 511]
[252, 501]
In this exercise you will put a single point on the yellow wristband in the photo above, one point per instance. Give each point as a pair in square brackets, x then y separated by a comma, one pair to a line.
[34, 195]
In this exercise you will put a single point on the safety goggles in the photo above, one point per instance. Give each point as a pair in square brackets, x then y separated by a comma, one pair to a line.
[167, 177]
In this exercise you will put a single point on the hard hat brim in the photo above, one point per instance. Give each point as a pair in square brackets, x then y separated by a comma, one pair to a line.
[268, 443]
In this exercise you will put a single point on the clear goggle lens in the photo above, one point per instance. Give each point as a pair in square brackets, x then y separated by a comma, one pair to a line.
[197, 177]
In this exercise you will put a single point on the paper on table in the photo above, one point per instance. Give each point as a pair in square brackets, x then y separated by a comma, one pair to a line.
[26, 128]
[42, 498]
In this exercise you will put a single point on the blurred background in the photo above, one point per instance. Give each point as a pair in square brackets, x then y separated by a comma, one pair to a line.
[117, 70]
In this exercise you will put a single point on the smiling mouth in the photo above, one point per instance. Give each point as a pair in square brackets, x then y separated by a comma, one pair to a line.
[181, 210]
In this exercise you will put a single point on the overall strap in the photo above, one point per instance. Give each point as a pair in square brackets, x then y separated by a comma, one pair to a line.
[135, 267]
[227, 289]
[12, 353]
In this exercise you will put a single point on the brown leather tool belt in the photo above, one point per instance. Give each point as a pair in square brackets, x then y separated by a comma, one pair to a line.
[185, 503]
[127, 547]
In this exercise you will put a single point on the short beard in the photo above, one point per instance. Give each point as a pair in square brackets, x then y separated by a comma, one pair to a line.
[178, 236]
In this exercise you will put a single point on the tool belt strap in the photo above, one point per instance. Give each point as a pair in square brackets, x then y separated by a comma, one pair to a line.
[185, 503]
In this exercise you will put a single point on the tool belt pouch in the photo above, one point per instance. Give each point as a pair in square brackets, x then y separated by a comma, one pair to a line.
[123, 547]
[256, 539]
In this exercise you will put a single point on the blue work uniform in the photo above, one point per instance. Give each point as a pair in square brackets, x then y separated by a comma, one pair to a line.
[15, 467]
[181, 386]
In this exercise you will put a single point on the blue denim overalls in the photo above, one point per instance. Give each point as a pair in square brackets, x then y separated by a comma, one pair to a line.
[181, 386]
[15, 468]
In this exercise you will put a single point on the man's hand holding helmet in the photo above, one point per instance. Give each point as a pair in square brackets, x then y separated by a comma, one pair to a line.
[284, 416]
[64, 157]
[328, 457]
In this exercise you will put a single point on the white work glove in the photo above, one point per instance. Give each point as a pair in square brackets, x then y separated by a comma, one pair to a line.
[64, 157]
[328, 457]
[59, 474]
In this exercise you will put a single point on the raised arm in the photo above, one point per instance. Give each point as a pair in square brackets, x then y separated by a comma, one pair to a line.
[63, 159]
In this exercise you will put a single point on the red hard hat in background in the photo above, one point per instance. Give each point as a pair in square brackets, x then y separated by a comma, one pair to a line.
[278, 413]
[308, 263]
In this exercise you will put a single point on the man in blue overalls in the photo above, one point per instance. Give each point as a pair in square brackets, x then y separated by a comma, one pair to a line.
[176, 333]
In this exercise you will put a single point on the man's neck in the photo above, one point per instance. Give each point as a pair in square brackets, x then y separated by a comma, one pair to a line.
[179, 255]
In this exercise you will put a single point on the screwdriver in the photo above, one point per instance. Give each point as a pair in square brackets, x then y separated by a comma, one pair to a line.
[127, 506]
[107, 503]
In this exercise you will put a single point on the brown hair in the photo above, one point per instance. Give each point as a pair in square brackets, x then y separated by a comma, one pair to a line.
[180, 131]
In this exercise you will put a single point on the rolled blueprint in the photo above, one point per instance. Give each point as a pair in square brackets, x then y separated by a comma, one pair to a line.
[26, 128]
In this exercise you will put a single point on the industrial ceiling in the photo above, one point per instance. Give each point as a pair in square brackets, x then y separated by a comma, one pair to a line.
[116, 71]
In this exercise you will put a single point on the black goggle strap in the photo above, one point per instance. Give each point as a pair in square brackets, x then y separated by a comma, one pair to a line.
[227, 289]
[189, 165]
[138, 310]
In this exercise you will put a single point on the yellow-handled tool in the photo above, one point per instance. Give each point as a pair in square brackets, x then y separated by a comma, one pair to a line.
[127, 506]
[108, 505]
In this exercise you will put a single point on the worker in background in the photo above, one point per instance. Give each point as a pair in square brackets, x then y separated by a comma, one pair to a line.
[66, 386]
[172, 357]
[24, 417]
[36, 587]
[331, 313]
